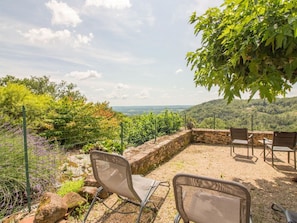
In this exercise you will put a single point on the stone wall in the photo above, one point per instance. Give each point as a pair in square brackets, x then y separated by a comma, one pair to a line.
[222, 137]
[151, 154]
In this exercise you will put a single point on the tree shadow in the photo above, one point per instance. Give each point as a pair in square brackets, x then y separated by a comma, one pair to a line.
[280, 190]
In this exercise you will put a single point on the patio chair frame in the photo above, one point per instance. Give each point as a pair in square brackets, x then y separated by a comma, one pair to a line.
[240, 136]
[113, 173]
[291, 216]
[188, 186]
[281, 142]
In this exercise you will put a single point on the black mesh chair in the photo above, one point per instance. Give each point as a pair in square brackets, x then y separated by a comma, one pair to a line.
[240, 136]
[281, 142]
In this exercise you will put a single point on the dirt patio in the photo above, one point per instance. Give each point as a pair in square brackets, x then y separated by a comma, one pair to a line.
[265, 183]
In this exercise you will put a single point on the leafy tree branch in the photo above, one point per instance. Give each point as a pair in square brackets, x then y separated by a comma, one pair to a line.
[248, 46]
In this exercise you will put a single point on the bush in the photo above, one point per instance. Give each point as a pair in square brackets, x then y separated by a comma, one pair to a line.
[142, 128]
[108, 145]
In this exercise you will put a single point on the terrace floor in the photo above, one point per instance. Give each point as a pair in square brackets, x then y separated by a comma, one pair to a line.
[265, 183]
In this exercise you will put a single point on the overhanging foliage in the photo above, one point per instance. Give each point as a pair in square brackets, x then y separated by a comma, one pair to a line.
[248, 46]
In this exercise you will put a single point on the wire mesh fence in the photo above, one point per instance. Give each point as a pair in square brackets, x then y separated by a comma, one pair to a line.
[31, 164]
[14, 180]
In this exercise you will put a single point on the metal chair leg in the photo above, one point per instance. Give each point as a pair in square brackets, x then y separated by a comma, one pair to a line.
[92, 204]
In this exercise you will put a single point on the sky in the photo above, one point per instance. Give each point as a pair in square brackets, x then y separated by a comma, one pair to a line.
[125, 52]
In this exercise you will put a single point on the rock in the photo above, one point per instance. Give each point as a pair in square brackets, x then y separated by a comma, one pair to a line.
[51, 209]
[91, 181]
[90, 192]
[29, 219]
[62, 221]
[9, 219]
[73, 200]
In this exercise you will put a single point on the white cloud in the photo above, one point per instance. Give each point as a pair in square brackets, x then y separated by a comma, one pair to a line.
[124, 96]
[63, 14]
[121, 86]
[100, 89]
[82, 39]
[179, 71]
[46, 35]
[117, 95]
[83, 75]
[119, 92]
[112, 4]
[143, 94]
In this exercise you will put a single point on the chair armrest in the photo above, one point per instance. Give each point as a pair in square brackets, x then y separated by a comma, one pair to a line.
[251, 136]
[267, 141]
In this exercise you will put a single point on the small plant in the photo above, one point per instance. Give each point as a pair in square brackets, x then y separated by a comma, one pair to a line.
[108, 145]
[70, 186]
[79, 211]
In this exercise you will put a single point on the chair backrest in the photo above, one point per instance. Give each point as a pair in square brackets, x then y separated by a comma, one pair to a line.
[203, 199]
[113, 173]
[287, 139]
[239, 133]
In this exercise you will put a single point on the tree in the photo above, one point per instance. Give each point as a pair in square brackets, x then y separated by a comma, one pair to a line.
[43, 85]
[248, 46]
[14, 96]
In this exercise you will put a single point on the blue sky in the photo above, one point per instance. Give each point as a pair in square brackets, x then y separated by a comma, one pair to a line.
[126, 52]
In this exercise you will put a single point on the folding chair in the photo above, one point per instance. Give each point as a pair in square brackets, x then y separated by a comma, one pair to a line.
[203, 199]
[291, 216]
[240, 136]
[113, 173]
[281, 142]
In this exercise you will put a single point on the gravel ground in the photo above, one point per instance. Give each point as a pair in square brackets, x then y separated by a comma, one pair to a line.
[265, 183]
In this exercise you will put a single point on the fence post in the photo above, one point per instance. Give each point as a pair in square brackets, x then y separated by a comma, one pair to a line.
[252, 122]
[26, 159]
[122, 137]
[155, 129]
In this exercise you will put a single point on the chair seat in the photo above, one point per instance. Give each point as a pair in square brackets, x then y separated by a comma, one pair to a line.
[143, 186]
[240, 141]
[280, 148]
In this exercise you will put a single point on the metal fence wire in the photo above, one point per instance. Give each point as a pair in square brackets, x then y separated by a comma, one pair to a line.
[42, 164]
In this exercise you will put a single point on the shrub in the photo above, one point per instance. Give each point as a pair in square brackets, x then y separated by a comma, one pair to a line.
[108, 145]
[70, 186]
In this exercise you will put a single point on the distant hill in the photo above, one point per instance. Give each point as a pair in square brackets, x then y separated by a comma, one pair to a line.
[256, 114]
[137, 110]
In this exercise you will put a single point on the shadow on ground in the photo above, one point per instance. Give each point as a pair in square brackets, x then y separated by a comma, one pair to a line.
[125, 212]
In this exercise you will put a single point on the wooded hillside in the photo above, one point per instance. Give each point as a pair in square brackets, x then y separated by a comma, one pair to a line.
[256, 114]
